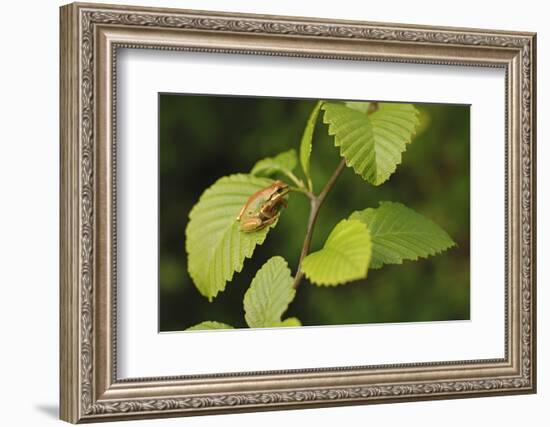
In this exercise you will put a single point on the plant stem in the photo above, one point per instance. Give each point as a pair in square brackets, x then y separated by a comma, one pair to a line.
[294, 179]
[330, 183]
[303, 191]
[316, 202]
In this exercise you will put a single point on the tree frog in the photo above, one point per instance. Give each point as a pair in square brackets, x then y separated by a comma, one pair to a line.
[262, 208]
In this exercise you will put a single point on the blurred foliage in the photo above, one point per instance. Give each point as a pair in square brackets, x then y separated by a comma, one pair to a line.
[205, 137]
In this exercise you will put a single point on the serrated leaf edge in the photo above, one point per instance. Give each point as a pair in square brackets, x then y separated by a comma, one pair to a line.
[247, 294]
[248, 254]
[339, 282]
[305, 153]
[338, 143]
[417, 257]
[194, 328]
[258, 173]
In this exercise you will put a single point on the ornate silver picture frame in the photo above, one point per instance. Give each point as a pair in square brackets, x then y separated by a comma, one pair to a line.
[90, 37]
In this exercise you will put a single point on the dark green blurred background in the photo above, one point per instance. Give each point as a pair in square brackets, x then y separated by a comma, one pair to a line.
[205, 137]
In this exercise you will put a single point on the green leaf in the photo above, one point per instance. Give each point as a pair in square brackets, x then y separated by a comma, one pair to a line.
[284, 162]
[291, 321]
[371, 143]
[399, 233]
[269, 295]
[215, 245]
[209, 325]
[359, 106]
[307, 138]
[345, 256]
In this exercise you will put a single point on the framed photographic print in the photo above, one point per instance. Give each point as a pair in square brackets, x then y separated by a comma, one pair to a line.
[265, 212]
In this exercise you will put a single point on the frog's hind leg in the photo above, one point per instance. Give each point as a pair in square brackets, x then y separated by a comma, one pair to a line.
[251, 224]
[269, 221]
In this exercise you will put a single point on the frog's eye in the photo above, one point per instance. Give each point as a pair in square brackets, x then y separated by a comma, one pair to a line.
[280, 190]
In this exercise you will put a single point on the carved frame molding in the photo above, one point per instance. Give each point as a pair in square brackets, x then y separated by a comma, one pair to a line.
[90, 37]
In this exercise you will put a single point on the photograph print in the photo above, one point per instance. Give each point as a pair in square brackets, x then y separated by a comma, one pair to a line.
[300, 212]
